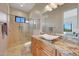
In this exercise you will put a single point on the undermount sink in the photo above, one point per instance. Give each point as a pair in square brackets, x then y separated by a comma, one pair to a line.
[48, 37]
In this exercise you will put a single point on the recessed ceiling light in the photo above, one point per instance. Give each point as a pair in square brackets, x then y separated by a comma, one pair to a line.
[21, 5]
[27, 21]
[53, 5]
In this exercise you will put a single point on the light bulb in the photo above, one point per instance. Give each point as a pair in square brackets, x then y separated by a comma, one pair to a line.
[21, 5]
[27, 21]
[53, 5]
[48, 8]
[60, 4]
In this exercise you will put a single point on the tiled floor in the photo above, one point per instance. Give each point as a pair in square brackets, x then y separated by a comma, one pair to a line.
[18, 51]
[3, 44]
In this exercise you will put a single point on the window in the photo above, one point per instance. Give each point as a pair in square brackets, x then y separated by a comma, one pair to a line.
[20, 19]
[67, 27]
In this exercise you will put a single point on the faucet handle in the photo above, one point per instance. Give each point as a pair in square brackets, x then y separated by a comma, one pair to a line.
[74, 33]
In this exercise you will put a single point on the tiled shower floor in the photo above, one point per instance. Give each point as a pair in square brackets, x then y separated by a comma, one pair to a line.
[19, 50]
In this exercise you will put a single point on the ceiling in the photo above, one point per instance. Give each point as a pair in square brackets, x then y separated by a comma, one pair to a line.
[26, 7]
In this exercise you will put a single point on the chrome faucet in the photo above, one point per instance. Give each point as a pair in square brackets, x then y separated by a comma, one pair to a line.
[75, 34]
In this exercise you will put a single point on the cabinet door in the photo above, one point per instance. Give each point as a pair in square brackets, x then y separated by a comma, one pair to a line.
[43, 53]
[49, 52]
[46, 49]
[58, 53]
[33, 46]
[40, 48]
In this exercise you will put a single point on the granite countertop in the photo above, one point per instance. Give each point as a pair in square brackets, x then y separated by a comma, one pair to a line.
[66, 48]
[69, 48]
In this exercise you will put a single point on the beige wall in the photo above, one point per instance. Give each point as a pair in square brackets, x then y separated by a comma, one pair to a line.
[56, 21]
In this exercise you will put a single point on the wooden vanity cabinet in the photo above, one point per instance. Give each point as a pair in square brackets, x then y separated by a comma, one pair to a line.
[34, 47]
[39, 48]
[57, 53]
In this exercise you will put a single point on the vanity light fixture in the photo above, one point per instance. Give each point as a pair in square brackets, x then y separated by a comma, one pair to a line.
[53, 5]
[48, 8]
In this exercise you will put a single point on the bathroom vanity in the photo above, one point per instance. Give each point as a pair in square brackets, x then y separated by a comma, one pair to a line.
[58, 47]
